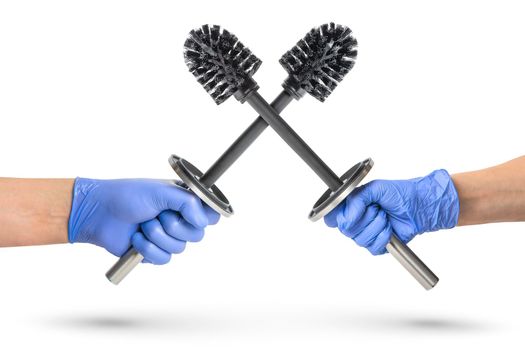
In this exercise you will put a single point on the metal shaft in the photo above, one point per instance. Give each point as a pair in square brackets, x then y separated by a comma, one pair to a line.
[397, 248]
[412, 263]
[293, 140]
[243, 142]
[124, 265]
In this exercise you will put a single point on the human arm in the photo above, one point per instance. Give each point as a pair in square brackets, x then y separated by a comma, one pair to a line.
[495, 194]
[34, 211]
[157, 217]
[373, 212]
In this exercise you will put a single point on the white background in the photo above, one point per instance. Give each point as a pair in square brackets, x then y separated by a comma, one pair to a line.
[99, 89]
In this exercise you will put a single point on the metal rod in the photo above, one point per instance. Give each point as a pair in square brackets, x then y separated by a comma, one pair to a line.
[412, 263]
[293, 140]
[396, 247]
[243, 142]
[124, 265]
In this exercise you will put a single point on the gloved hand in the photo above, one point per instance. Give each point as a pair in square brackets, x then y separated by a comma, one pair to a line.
[371, 213]
[157, 217]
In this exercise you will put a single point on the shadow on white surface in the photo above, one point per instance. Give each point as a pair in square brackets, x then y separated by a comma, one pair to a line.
[421, 323]
[271, 320]
[158, 322]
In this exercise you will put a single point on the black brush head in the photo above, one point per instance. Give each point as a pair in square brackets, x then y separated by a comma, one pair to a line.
[219, 61]
[321, 59]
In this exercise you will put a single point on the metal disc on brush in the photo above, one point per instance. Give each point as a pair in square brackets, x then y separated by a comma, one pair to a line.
[190, 175]
[330, 199]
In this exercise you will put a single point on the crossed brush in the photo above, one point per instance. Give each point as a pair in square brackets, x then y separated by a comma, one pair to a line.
[224, 66]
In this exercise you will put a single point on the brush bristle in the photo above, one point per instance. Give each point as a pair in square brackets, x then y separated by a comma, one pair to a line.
[321, 59]
[219, 61]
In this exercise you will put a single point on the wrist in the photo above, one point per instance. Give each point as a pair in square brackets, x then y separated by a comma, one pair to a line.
[81, 208]
[438, 192]
[495, 194]
[34, 211]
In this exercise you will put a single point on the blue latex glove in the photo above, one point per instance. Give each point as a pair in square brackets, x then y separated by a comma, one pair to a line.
[157, 217]
[371, 213]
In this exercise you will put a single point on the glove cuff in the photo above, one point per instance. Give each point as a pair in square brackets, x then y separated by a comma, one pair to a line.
[443, 196]
[79, 211]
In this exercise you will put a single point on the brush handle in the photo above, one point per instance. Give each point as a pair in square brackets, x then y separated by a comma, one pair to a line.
[243, 142]
[132, 258]
[399, 250]
[412, 263]
[124, 265]
[285, 131]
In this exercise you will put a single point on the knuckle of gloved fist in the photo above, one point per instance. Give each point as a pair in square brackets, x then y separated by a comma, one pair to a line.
[193, 202]
[213, 218]
[147, 249]
[179, 247]
[162, 260]
[155, 258]
[330, 221]
[171, 227]
[196, 236]
[381, 214]
[362, 240]
[343, 224]
[153, 232]
[151, 252]
[374, 209]
[350, 233]
[376, 251]
[379, 245]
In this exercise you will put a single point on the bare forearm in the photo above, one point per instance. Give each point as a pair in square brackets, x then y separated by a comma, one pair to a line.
[495, 194]
[34, 211]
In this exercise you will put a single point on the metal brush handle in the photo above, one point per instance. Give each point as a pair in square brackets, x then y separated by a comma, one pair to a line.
[124, 265]
[412, 263]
